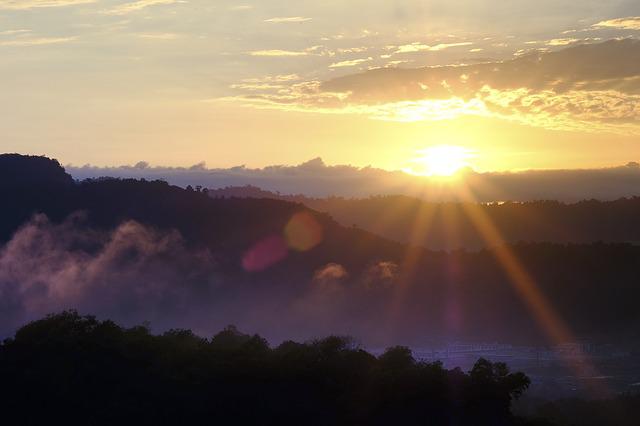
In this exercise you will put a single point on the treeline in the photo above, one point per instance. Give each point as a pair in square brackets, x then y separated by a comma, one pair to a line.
[76, 370]
[448, 225]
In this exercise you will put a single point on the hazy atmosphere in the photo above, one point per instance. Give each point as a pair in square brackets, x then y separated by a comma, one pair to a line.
[350, 213]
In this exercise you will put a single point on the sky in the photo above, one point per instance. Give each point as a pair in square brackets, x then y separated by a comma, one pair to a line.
[551, 84]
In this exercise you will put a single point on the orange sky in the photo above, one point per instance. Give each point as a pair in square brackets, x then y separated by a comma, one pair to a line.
[112, 82]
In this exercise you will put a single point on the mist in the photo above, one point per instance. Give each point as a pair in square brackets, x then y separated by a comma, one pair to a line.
[136, 274]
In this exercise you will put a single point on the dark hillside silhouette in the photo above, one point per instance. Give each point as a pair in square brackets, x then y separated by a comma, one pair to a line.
[24, 171]
[449, 227]
[27, 184]
[192, 261]
[73, 370]
[225, 223]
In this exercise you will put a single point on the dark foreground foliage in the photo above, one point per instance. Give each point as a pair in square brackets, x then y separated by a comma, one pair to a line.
[622, 410]
[72, 370]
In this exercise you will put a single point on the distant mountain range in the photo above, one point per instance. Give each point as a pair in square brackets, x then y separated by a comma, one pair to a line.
[137, 250]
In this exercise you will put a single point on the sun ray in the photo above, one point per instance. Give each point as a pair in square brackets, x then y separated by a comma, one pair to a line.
[524, 284]
[421, 224]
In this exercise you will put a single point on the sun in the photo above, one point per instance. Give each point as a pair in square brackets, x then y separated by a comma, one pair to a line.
[441, 160]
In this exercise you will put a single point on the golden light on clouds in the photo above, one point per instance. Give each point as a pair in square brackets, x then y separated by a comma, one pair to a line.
[591, 87]
[176, 82]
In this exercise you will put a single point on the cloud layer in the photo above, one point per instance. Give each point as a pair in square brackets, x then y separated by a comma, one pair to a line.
[315, 178]
[586, 87]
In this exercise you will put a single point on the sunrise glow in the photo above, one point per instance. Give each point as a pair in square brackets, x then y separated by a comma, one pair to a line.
[441, 161]
[400, 212]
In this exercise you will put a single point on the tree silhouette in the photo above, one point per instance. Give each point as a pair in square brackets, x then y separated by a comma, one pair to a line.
[74, 369]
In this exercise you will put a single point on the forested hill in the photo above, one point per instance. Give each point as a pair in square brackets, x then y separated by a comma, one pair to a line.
[450, 225]
[138, 250]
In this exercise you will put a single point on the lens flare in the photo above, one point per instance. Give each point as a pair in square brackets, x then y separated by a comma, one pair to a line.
[303, 232]
[265, 253]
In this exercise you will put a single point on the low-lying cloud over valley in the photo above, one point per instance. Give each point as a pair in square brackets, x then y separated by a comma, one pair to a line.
[317, 179]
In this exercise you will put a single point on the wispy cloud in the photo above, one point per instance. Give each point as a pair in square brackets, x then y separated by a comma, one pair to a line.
[159, 36]
[37, 41]
[256, 86]
[278, 52]
[280, 78]
[420, 47]
[135, 6]
[350, 63]
[241, 7]
[413, 47]
[31, 4]
[629, 23]
[562, 41]
[14, 32]
[290, 19]
[443, 46]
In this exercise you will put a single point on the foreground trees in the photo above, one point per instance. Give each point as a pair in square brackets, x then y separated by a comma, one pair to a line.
[72, 369]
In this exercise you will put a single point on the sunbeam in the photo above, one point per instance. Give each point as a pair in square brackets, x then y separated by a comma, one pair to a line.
[524, 284]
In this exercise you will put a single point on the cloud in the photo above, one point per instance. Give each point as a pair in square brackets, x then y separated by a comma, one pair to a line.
[285, 20]
[420, 47]
[268, 82]
[326, 298]
[37, 41]
[562, 41]
[315, 178]
[135, 6]
[159, 36]
[32, 4]
[350, 63]
[332, 271]
[396, 63]
[413, 47]
[630, 23]
[587, 87]
[131, 274]
[256, 86]
[48, 267]
[381, 275]
[278, 52]
[14, 32]
[279, 78]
